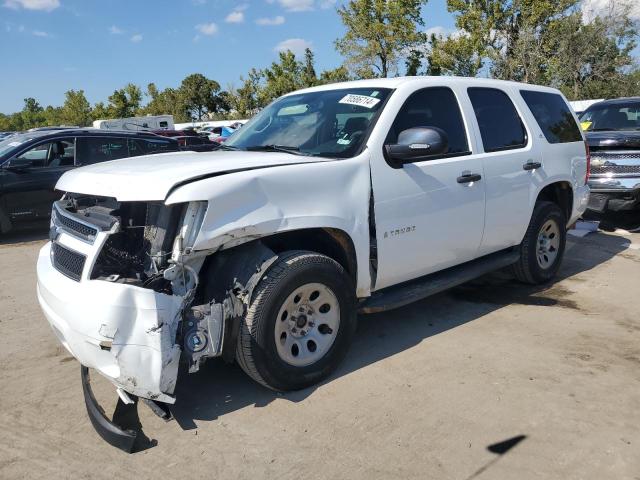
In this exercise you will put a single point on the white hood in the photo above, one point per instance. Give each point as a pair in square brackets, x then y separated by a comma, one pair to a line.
[152, 177]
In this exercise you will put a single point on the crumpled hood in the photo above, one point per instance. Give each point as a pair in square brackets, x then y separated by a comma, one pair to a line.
[152, 177]
[614, 139]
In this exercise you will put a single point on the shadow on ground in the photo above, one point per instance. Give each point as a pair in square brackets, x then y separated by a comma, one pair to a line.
[32, 233]
[218, 388]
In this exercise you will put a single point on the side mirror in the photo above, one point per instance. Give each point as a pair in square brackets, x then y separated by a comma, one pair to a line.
[417, 144]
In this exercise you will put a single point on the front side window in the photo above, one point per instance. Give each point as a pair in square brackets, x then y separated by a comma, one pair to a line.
[608, 116]
[328, 123]
[432, 107]
[500, 125]
[553, 115]
[57, 153]
[101, 149]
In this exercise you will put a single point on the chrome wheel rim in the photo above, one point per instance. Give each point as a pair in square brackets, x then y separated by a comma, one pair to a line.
[548, 244]
[307, 324]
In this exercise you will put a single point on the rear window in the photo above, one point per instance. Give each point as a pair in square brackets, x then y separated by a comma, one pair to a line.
[500, 125]
[553, 115]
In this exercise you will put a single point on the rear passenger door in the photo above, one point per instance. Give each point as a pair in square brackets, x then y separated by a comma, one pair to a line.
[510, 158]
[428, 216]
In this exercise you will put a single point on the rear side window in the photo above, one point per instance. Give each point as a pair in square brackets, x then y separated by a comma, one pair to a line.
[500, 125]
[553, 115]
[139, 146]
[432, 107]
[95, 149]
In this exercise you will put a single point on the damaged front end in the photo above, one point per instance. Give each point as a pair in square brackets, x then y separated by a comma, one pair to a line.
[117, 283]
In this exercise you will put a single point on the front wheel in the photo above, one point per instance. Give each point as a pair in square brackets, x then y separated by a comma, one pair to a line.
[542, 248]
[300, 322]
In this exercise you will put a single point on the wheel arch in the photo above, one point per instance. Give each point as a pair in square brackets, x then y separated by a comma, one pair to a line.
[560, 193]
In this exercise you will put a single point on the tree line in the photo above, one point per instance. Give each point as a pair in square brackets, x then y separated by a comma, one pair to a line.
[547, 42]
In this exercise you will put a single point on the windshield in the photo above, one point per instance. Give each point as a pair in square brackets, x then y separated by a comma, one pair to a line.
[618, 116]
[329, 123]
[10, 143]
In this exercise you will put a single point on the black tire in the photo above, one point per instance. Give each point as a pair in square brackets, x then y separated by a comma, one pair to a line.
[256, 351]
[528, 269]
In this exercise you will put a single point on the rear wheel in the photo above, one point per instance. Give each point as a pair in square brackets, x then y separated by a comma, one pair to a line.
[543, 246]
[300, 322]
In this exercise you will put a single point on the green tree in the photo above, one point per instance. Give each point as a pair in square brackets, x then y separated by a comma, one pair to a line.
[592, 59]
[199, 95]
[125, 102]
[309, 77]
[32, 114]
[339, 74]
[76, 109]
[100, 112]
[378, 32]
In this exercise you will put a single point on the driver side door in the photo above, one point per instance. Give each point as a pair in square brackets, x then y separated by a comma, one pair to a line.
[428, 217]
[28, 182]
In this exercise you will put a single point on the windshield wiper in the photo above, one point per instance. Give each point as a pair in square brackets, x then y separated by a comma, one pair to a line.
[227, 147]
[277, 148]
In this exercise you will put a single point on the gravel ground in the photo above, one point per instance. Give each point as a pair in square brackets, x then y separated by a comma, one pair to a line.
[433, 390]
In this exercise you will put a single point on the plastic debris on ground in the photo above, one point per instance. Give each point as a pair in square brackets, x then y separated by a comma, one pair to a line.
[583, 228]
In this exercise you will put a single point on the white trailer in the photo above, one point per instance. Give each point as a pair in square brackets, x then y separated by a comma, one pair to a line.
[150, 122]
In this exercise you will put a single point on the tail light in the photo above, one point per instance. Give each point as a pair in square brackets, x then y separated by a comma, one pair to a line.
[588, 152]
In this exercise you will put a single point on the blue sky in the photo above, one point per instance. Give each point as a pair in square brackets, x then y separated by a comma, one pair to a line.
[50, 46]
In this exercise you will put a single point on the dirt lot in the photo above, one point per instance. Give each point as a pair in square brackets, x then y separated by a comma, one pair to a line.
[426, 391]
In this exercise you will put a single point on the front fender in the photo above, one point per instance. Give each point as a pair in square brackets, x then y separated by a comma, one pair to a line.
[248, 205]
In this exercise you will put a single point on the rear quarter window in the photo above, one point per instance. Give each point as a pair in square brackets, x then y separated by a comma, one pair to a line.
[553, 116]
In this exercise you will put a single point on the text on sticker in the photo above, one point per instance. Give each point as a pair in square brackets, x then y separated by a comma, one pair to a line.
[360, 100]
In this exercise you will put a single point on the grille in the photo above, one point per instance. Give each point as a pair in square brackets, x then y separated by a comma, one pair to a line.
[68, 262]
[75, 228]
[614, 163]
[616, 170]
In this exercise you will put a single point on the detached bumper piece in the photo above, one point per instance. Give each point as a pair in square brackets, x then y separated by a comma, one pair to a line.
[109, 431]
[124, 431]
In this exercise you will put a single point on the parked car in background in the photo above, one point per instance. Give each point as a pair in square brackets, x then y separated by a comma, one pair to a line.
[351, 197]
[32, 162]
[196, 144]
[612, 129]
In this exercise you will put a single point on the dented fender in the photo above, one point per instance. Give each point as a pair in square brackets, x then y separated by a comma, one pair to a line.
[253, 204]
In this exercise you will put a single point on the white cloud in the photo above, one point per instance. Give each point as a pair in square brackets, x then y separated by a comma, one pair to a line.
[277, 20]
[46, 5]
[296, 5]
[113, 30]
[296, 45]
[137, 38]
[595, 8]
[235, 17]
[40, 33]
[207, 28]
[324, 4]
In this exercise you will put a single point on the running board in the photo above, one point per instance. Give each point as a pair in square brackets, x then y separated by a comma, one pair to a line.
[423, 287]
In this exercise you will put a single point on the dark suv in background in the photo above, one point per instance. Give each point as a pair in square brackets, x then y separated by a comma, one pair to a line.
[32, 162]
[612, 129]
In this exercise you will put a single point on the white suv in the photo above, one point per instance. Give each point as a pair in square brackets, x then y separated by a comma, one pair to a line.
[359, 196]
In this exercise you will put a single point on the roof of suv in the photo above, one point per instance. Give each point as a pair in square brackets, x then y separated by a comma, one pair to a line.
[421, 80]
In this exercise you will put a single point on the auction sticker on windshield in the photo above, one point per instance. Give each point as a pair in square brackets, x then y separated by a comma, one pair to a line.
[360, 100]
